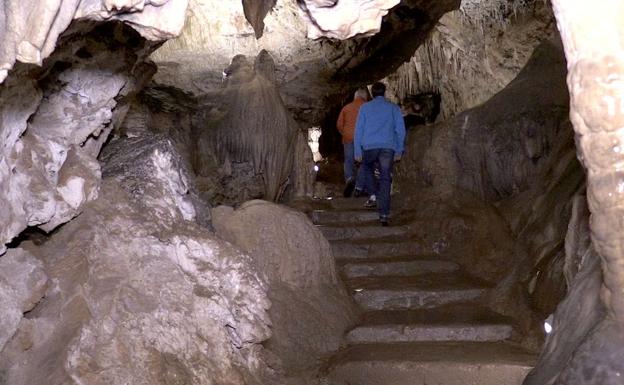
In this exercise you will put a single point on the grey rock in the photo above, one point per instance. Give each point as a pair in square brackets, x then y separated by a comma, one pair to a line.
[311, 309]
[23, 283]
[142, 293]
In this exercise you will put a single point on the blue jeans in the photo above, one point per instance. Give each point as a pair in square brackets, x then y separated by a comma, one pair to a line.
[349, 161]
[385, 159]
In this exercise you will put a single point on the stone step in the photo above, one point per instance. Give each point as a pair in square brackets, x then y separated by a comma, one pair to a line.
[431, 363]
[398, 268]
[376, 249]
[359, 233]
[333, 217]
[340, 203]
[462, 322]
[412, 293]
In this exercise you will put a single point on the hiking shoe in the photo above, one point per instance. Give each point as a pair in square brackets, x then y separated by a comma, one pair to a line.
[349, 188]
[370, 203]
[384, 221]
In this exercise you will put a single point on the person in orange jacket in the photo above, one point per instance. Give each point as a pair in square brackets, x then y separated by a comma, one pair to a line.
[346, 126]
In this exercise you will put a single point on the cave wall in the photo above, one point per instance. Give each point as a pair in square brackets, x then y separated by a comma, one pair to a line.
[474, 52]
[29, 30]
[592, 37]
[56, 119]
[516, 154]
[500, 148]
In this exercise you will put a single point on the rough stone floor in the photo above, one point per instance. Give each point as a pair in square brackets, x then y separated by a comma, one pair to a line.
[424, 320]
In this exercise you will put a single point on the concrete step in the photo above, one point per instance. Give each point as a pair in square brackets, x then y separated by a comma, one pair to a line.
[359, 233]
[334, 217]
[375, 249]
[412, 293]
[427, 363]
[462, 322]
[398, 268]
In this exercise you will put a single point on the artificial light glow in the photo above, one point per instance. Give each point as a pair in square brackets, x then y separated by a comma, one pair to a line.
[316, 168]
[548, 324]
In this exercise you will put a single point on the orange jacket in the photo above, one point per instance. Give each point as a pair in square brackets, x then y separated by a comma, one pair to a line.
[348, 118]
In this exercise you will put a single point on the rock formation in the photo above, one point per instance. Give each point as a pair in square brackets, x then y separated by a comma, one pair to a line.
[594, 71]
[474, 52]
[115, 269]
[141, 293]
[310, 308]
[30, 29]
[312, 75]
[56, 120]
[342, 19]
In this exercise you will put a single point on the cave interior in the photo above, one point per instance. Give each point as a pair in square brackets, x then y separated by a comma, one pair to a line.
[173, 206]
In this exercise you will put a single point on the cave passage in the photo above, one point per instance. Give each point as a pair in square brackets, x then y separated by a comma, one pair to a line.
[174, 207]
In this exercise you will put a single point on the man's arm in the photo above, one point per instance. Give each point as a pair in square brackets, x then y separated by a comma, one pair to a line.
[341, 122]
[360, 123]
[399, 130]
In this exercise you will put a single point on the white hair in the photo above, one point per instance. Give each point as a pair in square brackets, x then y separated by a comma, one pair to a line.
[361, 93]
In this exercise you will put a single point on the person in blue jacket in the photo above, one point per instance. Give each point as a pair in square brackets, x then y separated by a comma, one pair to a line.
[379, 138]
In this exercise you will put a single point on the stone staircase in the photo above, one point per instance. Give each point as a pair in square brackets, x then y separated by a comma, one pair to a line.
[424, 320]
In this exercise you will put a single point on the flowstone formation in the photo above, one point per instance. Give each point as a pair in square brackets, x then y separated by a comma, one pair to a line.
[252, 126]
[592, 37]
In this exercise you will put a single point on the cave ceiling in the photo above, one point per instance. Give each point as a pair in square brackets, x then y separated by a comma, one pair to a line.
[318, 60]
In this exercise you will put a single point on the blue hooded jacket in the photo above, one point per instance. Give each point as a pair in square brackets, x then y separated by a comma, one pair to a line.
[379, 125]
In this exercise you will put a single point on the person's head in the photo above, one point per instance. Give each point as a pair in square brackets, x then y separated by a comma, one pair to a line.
[378, 89]
[362, 93]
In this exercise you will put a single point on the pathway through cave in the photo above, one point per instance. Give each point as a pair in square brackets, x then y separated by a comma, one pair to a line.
[424, 319]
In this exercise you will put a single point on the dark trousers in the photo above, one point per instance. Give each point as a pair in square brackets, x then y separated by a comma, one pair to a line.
[385, 159]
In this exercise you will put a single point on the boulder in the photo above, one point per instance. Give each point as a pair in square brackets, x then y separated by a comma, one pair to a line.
[311, 309]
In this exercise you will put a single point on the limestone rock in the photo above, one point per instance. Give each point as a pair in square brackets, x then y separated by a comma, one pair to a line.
[578, 315]
[56, 121]
[255, 12]
[342, 19]
[253, 127]
[23, 282]
[30, 29]
[312, 75]
[142, 294]
[474, 52]
[311, 309]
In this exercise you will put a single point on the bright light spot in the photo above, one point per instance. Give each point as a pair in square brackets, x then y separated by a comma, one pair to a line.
[316, 168]
[358, 290]
[548, 324]
[330, 198]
